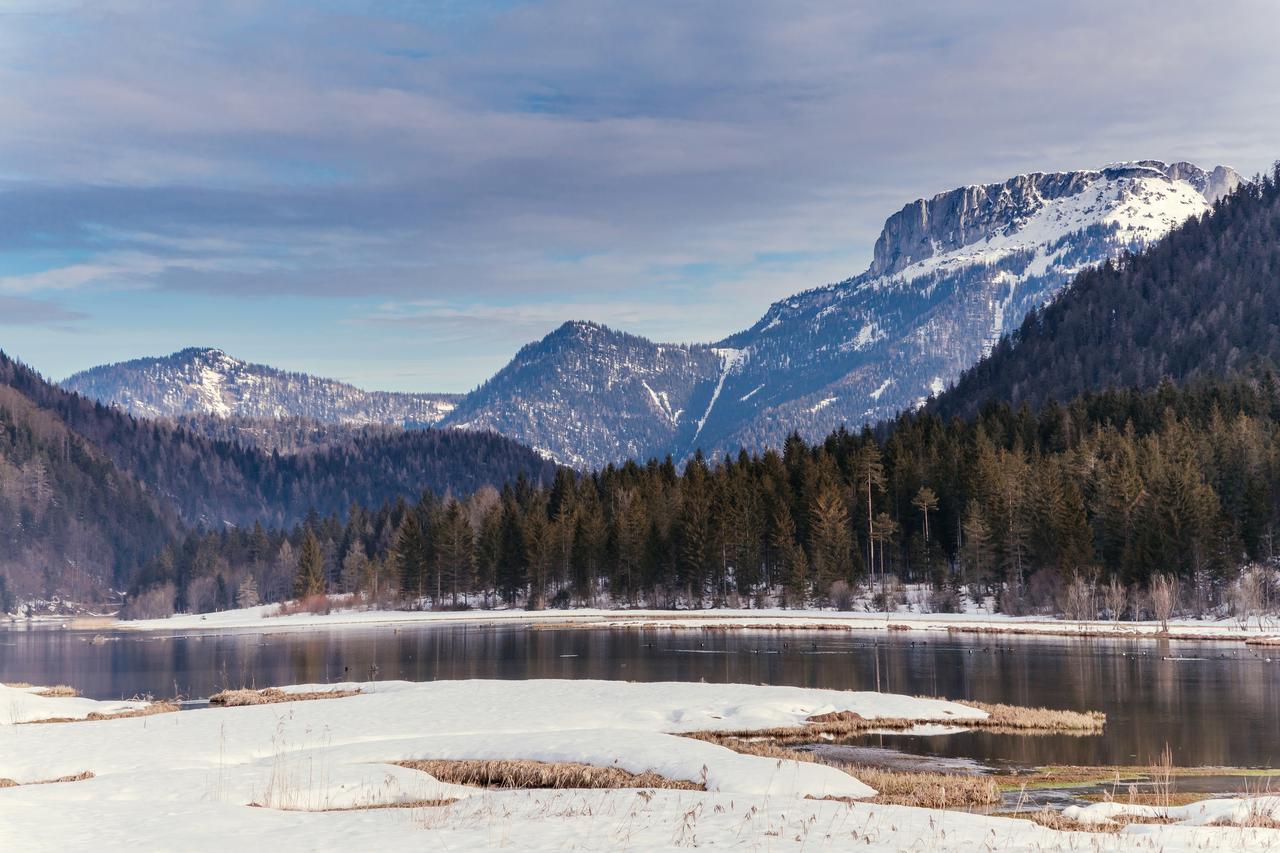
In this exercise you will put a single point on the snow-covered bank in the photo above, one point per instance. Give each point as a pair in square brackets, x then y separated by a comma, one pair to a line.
[26, 705]
[262, 618]
[279, 776]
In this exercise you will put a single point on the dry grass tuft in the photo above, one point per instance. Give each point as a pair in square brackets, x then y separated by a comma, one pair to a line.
[1036, 719]
[76, 777]
[518, 773]
[273, 695]
[17, 685]
[836, 717]
[928, 790]
[59, 690]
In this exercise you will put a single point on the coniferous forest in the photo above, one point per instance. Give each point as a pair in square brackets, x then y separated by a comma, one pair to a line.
[1036, 509]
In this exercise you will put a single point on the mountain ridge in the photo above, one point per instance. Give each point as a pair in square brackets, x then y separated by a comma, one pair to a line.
[206, 380]
[951, 275]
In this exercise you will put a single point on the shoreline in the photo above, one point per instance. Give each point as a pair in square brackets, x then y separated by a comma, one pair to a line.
[258, 619]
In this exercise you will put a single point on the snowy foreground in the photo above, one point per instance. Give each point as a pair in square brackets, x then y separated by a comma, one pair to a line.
[263, 618]
[305, 776]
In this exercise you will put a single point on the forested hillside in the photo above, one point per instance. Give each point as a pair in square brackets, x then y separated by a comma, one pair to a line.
[70, 522]
[1118, 485]
[1205, 301]
[88, 493]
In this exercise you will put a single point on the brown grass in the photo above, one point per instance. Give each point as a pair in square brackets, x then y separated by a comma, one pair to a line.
[517, 773]
[273, 695]
[894, 787]
[1004, 719]
[58, 690]
[1017, 717]
[147, 711]
[76, 777]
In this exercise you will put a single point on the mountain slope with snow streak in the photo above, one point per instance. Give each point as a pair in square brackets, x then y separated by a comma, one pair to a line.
[950, 276]
[208, 381]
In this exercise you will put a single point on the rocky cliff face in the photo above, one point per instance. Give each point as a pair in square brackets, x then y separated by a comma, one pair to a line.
[951, 275]
[208, 381]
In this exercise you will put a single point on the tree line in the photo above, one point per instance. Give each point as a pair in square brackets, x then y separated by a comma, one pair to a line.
[1029, 507]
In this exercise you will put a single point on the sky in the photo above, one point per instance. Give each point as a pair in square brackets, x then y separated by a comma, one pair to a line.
[401, 194]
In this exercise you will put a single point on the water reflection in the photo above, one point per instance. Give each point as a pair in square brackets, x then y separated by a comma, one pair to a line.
[1212, 703]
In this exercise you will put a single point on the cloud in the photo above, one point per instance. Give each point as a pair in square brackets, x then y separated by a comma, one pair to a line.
[20, 311]
[538, 156]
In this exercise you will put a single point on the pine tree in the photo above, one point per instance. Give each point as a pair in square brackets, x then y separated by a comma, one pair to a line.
[310, 577]
[831, 545]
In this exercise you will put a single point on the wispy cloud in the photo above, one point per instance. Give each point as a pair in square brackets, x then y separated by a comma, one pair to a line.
[562, 155]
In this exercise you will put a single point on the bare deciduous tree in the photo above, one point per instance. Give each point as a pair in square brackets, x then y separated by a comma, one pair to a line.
[1164, 592]
[1115, 596]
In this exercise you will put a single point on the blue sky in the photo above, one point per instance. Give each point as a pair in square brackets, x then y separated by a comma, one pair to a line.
[401, 194]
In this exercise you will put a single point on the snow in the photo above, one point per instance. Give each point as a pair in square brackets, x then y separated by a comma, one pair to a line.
[1143, 208]
[23, 705]
[821, 404]
[729, 359]
[661, 402]
[974, 619]
[312, 768]
[747, 396]
[884, 386]
[1236, 811]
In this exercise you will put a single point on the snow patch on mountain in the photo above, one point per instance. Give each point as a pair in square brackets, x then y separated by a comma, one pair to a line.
[210, 382]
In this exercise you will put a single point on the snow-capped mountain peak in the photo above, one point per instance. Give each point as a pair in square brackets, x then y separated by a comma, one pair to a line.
[206, 380]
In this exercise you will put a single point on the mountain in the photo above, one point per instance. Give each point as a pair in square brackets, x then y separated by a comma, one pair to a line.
[950, 275]
[1202, 303]
[208, 381]
[586, 394]
[88, 492]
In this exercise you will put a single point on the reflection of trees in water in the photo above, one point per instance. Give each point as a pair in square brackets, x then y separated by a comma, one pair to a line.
[1215, 711]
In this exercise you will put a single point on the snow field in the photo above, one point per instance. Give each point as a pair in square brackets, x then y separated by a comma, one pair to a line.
[309, 775]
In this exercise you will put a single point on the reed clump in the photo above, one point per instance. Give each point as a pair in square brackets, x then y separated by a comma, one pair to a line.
[273, 695]
[521, 773]
[58, 690]
[75, 777]
[1017, 717]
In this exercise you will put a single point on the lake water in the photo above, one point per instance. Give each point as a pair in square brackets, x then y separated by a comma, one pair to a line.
[1212, 703]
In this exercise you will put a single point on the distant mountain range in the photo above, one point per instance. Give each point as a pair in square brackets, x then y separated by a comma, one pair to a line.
[950, 276]
[208, 381]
